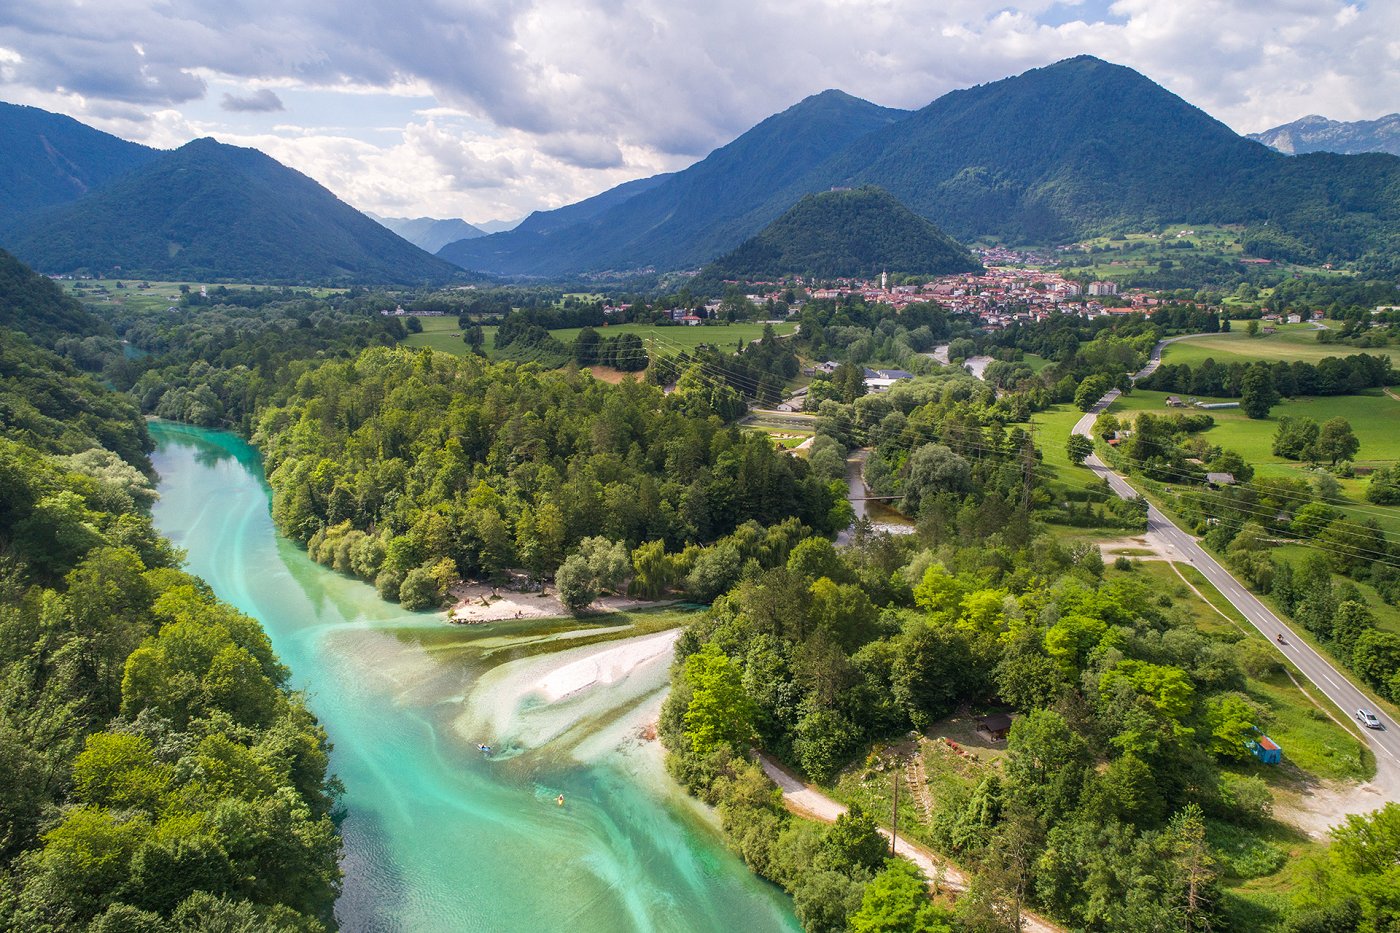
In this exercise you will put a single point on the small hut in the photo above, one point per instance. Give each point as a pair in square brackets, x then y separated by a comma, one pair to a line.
[996, 727]
[1266, 750]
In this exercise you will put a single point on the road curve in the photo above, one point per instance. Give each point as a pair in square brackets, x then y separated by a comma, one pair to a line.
[808, 801]
[1333, 684]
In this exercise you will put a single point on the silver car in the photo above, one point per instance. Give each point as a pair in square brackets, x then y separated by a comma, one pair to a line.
[1368, 719]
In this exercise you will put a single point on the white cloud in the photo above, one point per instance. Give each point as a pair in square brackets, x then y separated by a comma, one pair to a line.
[508, 105]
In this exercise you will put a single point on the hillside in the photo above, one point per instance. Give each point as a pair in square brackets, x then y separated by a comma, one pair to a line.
[690, 216]
[1077, 148]
[215, 212]
[48, 159]
[1314, 133]
[583, 211]
[845, 233]
[35, 306]
[429, 233]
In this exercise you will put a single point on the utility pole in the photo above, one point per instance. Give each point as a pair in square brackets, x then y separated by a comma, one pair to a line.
[894, 819]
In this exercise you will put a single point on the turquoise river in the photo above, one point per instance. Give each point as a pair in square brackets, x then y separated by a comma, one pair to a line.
[438, 836]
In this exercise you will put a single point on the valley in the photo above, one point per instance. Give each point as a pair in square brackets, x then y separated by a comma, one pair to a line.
[921, 519]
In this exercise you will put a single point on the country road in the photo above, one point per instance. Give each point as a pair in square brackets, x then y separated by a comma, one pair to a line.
[1333, 684]
[806, 800]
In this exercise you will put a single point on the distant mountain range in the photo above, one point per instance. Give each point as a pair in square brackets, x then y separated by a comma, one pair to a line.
[1319, 134]
[429, 233]
[844, 233]
[211, 211]
[683, 219]
[1076, 148]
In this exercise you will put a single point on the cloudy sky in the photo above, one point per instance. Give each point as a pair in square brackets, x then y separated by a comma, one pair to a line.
[489, 109]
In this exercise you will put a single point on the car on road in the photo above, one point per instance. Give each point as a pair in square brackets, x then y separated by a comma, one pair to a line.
[1367, 719]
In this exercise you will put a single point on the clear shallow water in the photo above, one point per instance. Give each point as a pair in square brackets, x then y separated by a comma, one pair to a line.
[437, 836]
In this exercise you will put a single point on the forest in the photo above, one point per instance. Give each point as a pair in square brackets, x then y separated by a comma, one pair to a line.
[161, 776]
[400, 465]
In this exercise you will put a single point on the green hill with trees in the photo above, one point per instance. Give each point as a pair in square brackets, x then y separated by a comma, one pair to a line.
[208, 211]
[841, 234]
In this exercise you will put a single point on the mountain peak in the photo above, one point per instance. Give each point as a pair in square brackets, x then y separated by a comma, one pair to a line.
[1314, 133]
[212, 211]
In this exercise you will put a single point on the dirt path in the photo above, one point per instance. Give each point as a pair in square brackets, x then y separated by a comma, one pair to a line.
[810, 802]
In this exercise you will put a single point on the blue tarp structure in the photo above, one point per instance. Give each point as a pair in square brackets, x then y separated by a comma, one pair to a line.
[1266, 750]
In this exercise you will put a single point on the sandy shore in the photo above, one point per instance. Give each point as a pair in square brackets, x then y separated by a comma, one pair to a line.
[530, 702]
[475, 603]
[606, 667]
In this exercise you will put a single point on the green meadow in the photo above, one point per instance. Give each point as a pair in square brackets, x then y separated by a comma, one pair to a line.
[1290, 342]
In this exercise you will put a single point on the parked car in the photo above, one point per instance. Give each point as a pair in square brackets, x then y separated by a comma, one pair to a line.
[1368, 719]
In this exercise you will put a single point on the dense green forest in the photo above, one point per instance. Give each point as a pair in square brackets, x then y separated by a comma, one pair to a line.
[401, 465]
[160, 774]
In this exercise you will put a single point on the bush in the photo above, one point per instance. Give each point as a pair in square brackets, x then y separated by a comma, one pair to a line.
[419, 590]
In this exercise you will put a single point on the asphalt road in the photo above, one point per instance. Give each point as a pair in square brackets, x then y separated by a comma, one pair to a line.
[1333, 684]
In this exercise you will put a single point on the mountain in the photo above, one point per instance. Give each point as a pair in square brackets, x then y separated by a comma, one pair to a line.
[589, 208]
[429, 233]
[47, 159]
[860, 232]
[1319, 134]
[208, 211]
[1076, 148]
[497, 226]
[683, 219]
[1084, 147]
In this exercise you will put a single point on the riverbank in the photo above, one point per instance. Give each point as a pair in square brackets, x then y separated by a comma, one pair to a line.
[475, 603]
[439, 837]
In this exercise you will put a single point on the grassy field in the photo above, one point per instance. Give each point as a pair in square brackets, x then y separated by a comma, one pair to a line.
[158, 297]
[1291, 342]
[442, 333]
[1373, 415]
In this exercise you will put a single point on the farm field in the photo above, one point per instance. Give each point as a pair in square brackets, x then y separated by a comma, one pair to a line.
[1291, 342]
[1372, 414]
[438, 333]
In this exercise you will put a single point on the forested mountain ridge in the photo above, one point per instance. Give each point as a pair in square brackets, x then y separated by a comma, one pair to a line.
[213, 211]
[1073, 149]
[1084, 146]
[845, 233]
[692, 215]
[47, 159]
[1315, 133]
